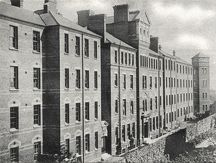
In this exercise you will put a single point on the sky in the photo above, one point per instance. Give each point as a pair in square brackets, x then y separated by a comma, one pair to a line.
[186, 26]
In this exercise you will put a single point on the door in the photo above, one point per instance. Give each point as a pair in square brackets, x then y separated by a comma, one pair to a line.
[146, 132]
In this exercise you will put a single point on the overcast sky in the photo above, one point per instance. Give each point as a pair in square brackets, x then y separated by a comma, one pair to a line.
[187, 26]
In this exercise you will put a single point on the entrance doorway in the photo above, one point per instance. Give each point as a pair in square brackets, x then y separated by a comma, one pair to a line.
[103, 149]
[146, 131]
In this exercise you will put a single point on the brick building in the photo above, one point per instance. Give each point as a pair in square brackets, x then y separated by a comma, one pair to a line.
[72, 103]
[178, 90]
[21, 83]
[50, 75]
[69, 82]
[118, 83]
[154, 114]
[201, 83]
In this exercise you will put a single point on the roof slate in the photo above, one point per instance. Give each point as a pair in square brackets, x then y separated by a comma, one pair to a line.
[52, 18]
[110, 38]
[21, 14]
[200, 55]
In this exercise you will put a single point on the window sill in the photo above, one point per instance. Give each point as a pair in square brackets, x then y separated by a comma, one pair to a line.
[76, 55]
[13, 130]
[66, 89]
[87, 57]
[87, 152]
[36, 89]
[14, 89]
[77, 89]
[96, 119]
[66, 53]
[86, 89]
[13, 49]
[78, 122]
[95, 89]
[87, 120]
[96, 149]
[66, 124]
[35, 52]
[36, 126]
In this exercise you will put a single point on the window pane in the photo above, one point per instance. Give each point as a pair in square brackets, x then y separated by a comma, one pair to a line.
[14, 154]
[14, 117]
[67, 113]
[95, 49]
[77, 78]
[36, 41]
[66, 39]
[77, 46]
[86, 48]
[66, 78]
[78, 112]
[86, 78]
[37, 113]
[36, 78]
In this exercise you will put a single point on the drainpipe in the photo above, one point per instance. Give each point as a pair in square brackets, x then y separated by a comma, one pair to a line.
[119, 97]
[158, 103]
[83, 112]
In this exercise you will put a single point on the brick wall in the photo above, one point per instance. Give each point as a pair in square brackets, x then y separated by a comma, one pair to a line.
[24, 97]
[200, 127]
[166, 147]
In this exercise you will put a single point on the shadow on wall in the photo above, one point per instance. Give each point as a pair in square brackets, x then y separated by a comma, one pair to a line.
[175, 144]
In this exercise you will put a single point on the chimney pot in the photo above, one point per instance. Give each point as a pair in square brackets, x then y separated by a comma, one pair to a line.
[174, 52]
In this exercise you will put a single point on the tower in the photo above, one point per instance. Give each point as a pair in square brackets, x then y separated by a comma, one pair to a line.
[201, 83]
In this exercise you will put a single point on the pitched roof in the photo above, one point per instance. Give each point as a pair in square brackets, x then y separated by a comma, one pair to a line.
[52, 18]
[133, 15]
[139, 14]
[181, 60]
[200, 55]
[111, 39]
[21, 14]
[175, 57]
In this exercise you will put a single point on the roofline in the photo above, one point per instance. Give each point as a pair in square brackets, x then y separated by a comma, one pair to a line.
[200, 57]
[96, 35]
[24, 20]
[176, 58]
[135, 20]
[122, 46]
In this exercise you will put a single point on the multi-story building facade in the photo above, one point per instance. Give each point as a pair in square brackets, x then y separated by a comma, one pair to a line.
[178, 90]
[21, 83]
[153, 94]
[71, 87]
[69, 82]
[62, 105]
[201, 83]
[118, 83]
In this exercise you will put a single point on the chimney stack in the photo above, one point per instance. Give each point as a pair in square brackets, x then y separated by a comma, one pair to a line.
[83, 17]
[121, 13]
[50, 5]
[95, 23]
[154, 44]
[174, 52]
